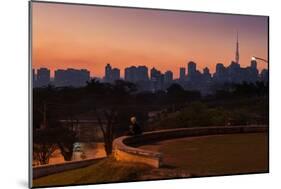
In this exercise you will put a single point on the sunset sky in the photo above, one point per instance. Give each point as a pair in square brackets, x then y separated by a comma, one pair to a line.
[78, 36]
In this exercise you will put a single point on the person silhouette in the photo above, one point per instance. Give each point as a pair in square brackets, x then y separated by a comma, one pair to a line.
[134, 128]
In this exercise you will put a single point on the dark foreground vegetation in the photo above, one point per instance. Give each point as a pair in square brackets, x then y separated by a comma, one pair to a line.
[112, 105]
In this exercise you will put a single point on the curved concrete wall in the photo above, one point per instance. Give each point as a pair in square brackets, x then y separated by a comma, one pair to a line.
[122, 152]
[125, 148]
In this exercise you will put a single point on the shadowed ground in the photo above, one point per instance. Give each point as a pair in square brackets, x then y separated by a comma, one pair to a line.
[216, 154]
[106, 170]
[184, 157]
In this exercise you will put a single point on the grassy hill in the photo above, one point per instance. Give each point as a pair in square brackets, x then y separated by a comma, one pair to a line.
[106, 170]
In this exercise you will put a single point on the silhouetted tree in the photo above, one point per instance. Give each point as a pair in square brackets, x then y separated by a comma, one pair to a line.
[44, 144]
[65, 142]
[175, 90]
[109, 99]
[243, 89]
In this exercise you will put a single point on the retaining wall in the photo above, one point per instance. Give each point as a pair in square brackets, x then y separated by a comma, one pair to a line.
[125, 148]
[44, 170]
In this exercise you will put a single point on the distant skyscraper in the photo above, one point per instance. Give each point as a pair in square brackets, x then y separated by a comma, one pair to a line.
[107, 73]
[154, 73]
[237, 50]
[220, 68]
[142, 73]
[264, 75]
[206, 71]
[168, 76]
[115, 74]
[191, 68]
[253, 64]
[131, 74]
[206, 74]
[111, 74]
[157, 79]
[234, 73]
[182, 74]
[252, 72]
[71, 77]
[139, 76]
[43, 77]
[220, 74]
[60, 78]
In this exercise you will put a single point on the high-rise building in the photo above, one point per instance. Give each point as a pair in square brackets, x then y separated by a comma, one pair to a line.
[182, 74]
[71, 77]
[136, 74]
[107, 76]
[234, 73]
[253, 64]
[60, 78]
[168, 76]
[142, 73]
[193, 74]
[191, 68]
[139, 76]
[220, 68]
[252, 72]
[111, 74]
[157, 79]
[115, 74]
[43, 77]
[206, 74]
[154, 73]
[131, 74]
[264, 75]
[220, 74]
[206, 71]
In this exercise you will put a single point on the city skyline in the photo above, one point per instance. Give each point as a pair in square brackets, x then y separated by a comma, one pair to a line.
[182, 69]
[95, 36]
[154, 80]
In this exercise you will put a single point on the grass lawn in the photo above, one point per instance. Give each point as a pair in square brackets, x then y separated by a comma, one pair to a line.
[184, 157]
[106, 170]
[216, 154]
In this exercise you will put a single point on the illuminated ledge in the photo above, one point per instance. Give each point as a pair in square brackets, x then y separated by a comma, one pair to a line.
[122, 152]
[123, 149]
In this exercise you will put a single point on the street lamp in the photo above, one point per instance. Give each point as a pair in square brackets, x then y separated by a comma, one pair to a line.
[257, 58]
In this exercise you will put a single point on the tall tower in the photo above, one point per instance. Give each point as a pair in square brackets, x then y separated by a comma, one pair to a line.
[108, 70]
[237, 50]
[182, 73]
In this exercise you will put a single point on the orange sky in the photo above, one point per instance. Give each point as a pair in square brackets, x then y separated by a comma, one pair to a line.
[76, 36]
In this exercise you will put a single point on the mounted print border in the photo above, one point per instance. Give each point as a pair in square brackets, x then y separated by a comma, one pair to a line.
[126, 94]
